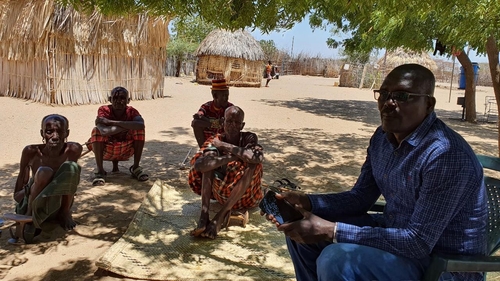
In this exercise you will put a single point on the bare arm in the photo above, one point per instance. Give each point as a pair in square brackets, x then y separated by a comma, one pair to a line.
[24, 171]
[251, 153]
[109, 127]
[74, 151]
[200, 120]
[211, 161]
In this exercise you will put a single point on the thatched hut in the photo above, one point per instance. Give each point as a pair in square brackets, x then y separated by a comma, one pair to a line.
[372, 75]
[54, 54]
[235, 56]
[401, 56]
[351, 75]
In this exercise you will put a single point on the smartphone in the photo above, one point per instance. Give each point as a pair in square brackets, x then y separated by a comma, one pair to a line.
[282, 210]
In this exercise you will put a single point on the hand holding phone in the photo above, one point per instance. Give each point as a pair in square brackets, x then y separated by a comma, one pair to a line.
[281, 209]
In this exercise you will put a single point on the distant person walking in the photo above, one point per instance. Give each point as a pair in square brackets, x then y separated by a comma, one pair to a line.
[269, 72]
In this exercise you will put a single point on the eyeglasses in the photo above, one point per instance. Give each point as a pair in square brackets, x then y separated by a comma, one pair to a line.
[398, 96]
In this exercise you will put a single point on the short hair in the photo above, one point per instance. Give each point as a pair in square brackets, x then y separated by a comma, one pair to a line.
[117, 90]
[58, 117]
[420, 74]
[237, 110]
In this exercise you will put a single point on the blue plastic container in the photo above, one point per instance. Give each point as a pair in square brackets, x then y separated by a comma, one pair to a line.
[461, 80]
[475, 65]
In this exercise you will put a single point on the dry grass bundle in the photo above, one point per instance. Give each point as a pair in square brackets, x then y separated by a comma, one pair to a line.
[350, 75]
[371, 76]
[319, 67]
[235, 56]
[401, 56]
[54, 54]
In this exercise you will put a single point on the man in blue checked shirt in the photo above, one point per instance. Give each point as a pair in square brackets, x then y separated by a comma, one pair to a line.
[430, 179]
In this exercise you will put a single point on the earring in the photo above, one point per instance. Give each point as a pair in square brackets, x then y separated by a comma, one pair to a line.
[43, 140]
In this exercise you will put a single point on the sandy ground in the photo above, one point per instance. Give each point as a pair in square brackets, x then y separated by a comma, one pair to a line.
[312, 132]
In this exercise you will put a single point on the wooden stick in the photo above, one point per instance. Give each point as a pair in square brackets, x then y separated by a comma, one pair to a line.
[187, 155]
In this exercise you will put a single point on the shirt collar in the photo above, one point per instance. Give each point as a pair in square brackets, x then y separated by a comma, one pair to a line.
[416, 137]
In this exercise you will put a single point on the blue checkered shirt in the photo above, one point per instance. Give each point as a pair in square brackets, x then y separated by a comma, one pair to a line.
[436, 198]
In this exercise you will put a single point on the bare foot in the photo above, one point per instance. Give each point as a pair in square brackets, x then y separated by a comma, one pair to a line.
[215, 225]
[202, 225]
[66, 221]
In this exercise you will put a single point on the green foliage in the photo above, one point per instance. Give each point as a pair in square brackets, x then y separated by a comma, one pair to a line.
[269, 49]
[267, 15]
[414, 25]
[191, 29]
[180, 48]
[410, 24]
[187, 34]
[373, 24]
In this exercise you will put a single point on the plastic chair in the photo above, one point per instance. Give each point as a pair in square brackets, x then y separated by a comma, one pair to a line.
[490, 107]
[489, 263]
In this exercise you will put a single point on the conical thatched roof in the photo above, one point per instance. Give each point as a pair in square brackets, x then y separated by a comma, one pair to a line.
[401, 56]
[237, 44]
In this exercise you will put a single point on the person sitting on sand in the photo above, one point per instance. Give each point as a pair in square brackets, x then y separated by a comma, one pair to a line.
[208, 120]
[49, 192]
[119, 133]
[227, 168]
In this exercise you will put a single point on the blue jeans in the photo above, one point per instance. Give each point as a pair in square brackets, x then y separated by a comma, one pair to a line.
[344, 261]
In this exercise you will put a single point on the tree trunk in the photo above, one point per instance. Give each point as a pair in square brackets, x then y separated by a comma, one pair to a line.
[365, 67]
[492, 52]
[178, 62]
[470, 87]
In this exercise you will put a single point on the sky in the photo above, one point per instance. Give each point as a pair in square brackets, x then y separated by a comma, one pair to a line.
[311, 42]
[302, 38]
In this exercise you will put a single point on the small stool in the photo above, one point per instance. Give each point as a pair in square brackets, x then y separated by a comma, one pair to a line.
[23, 228]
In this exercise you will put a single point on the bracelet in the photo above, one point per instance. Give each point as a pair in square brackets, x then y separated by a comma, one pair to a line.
[334, 240]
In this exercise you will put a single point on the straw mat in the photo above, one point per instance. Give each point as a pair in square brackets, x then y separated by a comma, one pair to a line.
[157, 244]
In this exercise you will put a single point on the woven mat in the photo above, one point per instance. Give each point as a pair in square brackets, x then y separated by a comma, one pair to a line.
[157, 245]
